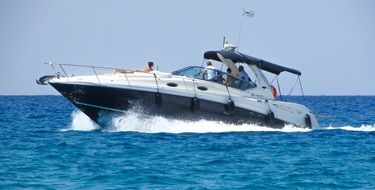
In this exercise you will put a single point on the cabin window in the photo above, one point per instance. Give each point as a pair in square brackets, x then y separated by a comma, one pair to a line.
[192, 72]
[215, 76]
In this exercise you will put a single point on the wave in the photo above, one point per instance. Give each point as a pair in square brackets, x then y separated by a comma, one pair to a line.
[133, 122]
[362, 128]
[158, 124]
[81, 122]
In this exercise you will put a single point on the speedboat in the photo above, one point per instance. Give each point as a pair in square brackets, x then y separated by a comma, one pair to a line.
[191, 93]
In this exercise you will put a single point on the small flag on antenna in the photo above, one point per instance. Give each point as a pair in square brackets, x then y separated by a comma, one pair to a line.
[248, 13]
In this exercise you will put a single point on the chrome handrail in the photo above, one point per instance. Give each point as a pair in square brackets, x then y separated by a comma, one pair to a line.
[61, 65]
[96, 75]
[77, 65]
[132, 71]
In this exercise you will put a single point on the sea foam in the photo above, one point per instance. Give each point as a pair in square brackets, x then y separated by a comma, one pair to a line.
[132, 121]
[81, 122]
[362, 128]
[156, 124]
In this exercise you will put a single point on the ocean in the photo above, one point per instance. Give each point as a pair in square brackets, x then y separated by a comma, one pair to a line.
[45, 143]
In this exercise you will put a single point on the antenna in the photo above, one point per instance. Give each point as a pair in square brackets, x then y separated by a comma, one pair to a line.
[247, 14]
[223, 41]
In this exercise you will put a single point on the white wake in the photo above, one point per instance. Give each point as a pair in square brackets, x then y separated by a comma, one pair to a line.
[362, 128]
[81, 122]
[138, 123]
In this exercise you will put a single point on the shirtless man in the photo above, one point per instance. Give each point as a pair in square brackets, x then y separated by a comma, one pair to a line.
[230, 79]
[147, 69]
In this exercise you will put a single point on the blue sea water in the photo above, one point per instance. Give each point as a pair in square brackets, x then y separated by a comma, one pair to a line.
[45, 143]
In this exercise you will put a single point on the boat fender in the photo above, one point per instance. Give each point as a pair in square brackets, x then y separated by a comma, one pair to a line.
[308, 121]
[274, 91]
[159, 99]
[195, 104]
[229, 106]
[270, 116]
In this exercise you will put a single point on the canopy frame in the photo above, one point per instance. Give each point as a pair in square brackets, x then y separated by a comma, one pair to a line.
[236, 57]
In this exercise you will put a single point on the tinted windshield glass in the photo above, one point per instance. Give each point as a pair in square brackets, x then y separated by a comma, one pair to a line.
[188, 71]
[215, 76]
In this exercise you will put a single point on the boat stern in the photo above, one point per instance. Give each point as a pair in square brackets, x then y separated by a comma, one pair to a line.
[294, 113]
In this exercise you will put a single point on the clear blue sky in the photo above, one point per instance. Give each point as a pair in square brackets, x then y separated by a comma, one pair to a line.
[331, 42]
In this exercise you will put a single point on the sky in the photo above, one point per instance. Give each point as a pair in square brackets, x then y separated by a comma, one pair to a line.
[331, 42]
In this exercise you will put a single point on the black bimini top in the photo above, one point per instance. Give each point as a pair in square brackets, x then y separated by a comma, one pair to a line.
[236, 57]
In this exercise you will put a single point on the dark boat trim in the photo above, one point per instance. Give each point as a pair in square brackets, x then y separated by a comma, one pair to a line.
[99, 107]
[95, 99]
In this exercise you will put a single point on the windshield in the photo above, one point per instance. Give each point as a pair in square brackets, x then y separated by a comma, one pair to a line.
[216, 76]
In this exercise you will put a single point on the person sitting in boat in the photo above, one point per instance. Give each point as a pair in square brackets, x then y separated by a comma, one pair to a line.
[209, 71]
[244, 83]
[147, 69]
[229, 81]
